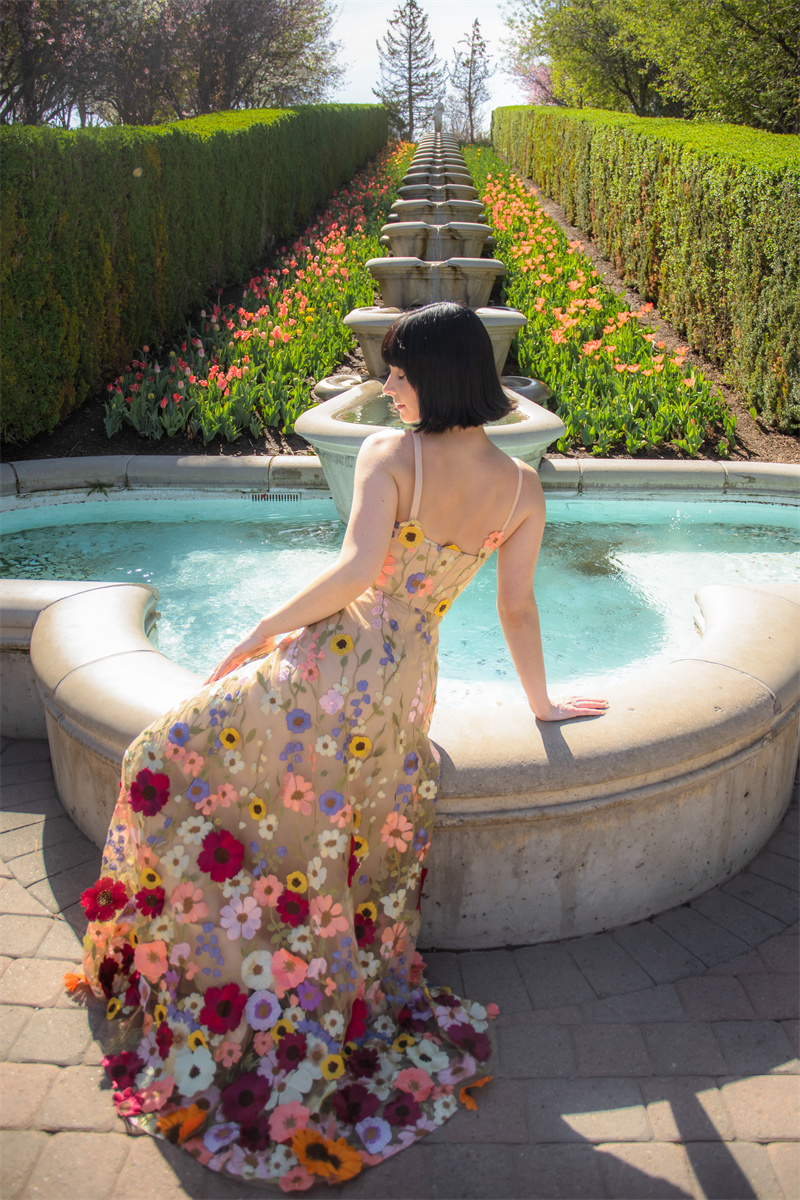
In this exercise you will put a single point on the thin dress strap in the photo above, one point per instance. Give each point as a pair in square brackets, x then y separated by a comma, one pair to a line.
[417, 476]
[516, 498]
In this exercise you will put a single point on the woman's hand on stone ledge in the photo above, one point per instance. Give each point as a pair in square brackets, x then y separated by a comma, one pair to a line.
[571, 707]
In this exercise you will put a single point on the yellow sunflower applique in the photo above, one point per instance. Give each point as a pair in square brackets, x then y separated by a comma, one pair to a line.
[411, 533]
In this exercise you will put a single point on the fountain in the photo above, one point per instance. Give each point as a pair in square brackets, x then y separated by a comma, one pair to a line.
[434, 256]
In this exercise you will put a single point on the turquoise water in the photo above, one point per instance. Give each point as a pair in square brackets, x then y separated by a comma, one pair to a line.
[615, 581]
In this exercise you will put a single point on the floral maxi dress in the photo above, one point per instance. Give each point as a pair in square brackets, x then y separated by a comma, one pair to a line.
[255, 922]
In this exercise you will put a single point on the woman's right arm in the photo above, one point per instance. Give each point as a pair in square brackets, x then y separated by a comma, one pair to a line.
[519, 615]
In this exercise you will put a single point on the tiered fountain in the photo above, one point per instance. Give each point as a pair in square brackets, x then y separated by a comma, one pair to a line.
[437, 237]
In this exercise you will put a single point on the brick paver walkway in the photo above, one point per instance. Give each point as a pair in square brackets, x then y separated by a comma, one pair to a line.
[655, 1061]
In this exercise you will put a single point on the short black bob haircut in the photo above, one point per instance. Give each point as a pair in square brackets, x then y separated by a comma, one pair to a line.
[447, 358]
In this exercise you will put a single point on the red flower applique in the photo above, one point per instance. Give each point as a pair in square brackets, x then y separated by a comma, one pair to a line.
[223, 1008]
[149, 792]
[293, 908]
[221, 856]
[150, 901]
[107, 897]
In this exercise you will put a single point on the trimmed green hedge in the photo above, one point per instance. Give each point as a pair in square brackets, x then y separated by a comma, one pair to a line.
[110, 237]
[702, 219]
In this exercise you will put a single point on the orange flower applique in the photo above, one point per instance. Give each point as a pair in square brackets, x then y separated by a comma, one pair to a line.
[73, 981]
[465, 1097]
[332, 1160]
[177, 1126]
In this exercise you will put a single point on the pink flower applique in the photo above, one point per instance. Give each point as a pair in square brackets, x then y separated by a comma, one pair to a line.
[331, 702]
[297, 793]
[267, 890]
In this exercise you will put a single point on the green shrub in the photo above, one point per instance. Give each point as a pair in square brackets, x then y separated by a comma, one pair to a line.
[110, 237]
[704, 220]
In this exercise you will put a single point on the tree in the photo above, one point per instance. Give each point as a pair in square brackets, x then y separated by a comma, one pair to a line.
[729, 60]
[412, 78]
[140, 62]
[468, 77]
[593, 57]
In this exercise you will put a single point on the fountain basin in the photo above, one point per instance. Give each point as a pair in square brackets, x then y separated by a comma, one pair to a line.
[370, 323]
[543, 832]
[406, 282]
[435, 243]
[337, 438]
[422, 191]
[434, 178]
[440, 212]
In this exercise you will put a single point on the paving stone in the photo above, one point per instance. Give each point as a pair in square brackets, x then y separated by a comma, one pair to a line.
[714, 998]
[23, 1087]
[54, 1035]
[35, 837]
[703, 938]
[683, 1049]
[650, 1004]
[763, 1108]
[478, 1172]
[776, 867]
[792, 1031]
[79, 1164]
[31, 792]
[75, 917]
[13, 1019]
[492, 975]
[5, 870]
[570, 1014]
[442, 968]
[501, 1117]
[66, 888]
[608, 967]
[16, 774]
[5, 961]
[14, 899]
[643, 1171]
[733, 1170]
[391, 1180]
[19, 1150]
[755, 1047]
[21, 936]
[563, 1172]
[610, 1050]
[551, 977]
[773, 997]
[687, 1109]
[782, 953]
[785, 843]
[586, 1110]
[527, 1053]
[33, 981]
[61, 942]
[52, 861]
[159, 1170]
[25, 751]
[740, 965]
[785, 1159]
[80, 1098]
[746, 922]
[772, 898]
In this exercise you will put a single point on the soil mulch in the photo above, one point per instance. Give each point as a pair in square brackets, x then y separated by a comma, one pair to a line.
[83, 432]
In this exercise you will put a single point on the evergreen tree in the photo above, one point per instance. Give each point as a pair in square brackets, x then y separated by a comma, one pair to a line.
[412, 78]
[468, 77]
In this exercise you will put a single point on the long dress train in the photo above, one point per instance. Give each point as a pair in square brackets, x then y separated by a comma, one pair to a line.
[255, 923]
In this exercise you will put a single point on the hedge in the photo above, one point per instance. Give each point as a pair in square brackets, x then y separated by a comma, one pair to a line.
[702, 219]
[110, 237]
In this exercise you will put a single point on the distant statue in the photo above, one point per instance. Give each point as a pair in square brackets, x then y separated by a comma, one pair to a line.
[438, 113]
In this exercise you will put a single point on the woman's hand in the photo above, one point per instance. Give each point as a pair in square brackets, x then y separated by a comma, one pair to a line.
[570, 707]
[253, 646]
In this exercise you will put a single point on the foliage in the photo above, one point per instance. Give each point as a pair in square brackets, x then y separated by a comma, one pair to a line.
[615, 386]
[592, 57]
[248, 366]
[730, 60]
[111, 236]
[721, 60]
[412, 77]
[468, 76]
[139, 62]
[703, 220]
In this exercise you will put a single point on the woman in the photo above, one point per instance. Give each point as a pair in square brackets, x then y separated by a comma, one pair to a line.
[256, 922]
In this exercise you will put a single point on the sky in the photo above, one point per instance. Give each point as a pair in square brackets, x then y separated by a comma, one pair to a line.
[361, 22]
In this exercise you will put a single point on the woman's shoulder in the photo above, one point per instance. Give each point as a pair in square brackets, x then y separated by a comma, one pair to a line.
[388, 446]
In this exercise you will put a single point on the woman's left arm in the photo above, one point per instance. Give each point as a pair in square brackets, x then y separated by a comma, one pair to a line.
[361, 557]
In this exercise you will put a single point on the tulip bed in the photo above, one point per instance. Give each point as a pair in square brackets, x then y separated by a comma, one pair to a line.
[246, 367]
[615, 386]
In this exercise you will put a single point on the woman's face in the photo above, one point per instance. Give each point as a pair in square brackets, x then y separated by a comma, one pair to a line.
[405, 397]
